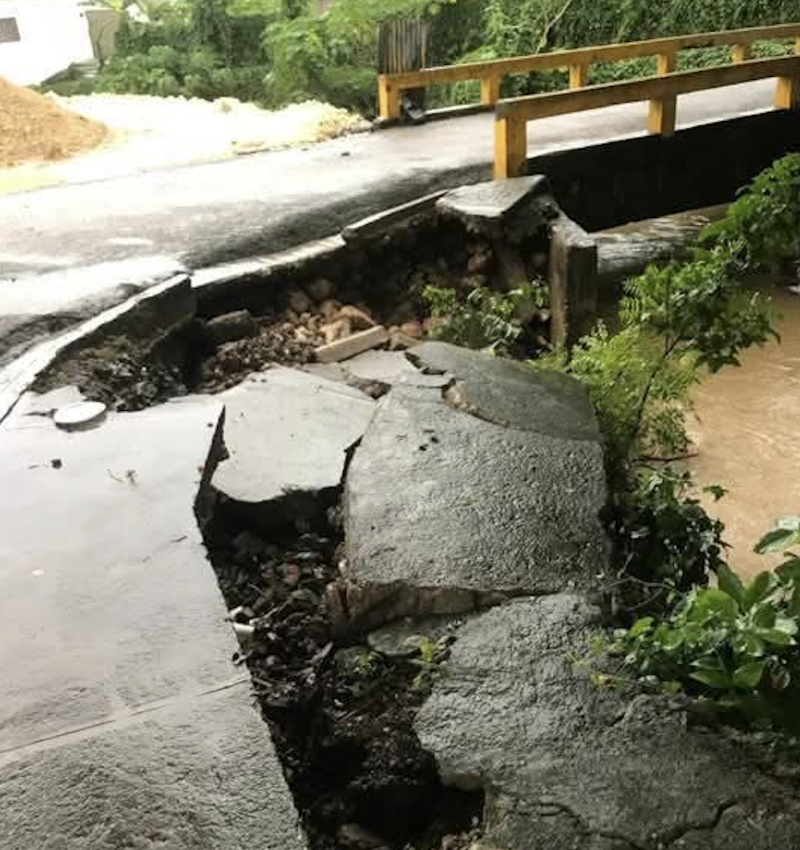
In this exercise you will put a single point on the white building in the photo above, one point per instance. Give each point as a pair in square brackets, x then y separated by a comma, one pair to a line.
[39, 38]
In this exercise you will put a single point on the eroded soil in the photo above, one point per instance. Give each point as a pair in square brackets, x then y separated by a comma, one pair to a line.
[341, 716]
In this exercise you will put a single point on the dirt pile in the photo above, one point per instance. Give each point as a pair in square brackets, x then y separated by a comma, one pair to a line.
[34, 127]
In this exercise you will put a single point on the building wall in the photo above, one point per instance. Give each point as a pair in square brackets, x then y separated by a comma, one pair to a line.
[53, 35]
[103, 27]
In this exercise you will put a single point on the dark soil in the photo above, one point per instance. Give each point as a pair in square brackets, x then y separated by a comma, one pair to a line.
[230, 363]
[123, 375]
[341, 717]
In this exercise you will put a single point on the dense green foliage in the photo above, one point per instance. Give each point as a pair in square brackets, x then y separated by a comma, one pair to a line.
[666, 542]
[733, 646]
[278, 51]
[188, 47]
[483, 318]
[271, 51]
[684, 318]
[760, 232]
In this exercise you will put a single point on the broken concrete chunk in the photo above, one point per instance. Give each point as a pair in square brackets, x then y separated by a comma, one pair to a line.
[288, 431]
[359, 319]
[568, 764]
[390, 368]
[129, 546]
[387, 367]
[79, 415]
[399, 341]
[198, 772]
[412, 329]
[46, 404]
[342, 349]
[443, 509]
[513, 394]
[573, 281]
[329, 371]
[231, 327]
[383, 222]
[497, 207]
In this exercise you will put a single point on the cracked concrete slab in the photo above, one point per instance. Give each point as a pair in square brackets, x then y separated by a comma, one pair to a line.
[511, 393]
[567, 764]
[492, 207]
[147, 316]
[113, 639]
[108, 599]
[386, 367]
[288, 431]
[199, 775]
[443, 508]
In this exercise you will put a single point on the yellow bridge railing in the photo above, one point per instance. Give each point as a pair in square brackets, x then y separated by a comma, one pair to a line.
[662, 90]
[512, 116]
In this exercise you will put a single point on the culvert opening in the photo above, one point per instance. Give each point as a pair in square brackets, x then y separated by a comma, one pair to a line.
[341, 714]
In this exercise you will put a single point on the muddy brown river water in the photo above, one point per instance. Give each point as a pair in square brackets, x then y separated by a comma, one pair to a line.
[748, 434]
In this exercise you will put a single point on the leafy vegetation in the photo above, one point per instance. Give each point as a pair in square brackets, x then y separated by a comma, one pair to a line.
[667, 542]
[432, 653]
[484, 318]
[760, 231]
[368, 664]
[734, 647]
[271, 51]
[278, 51]
[684, 318]
[187, 47]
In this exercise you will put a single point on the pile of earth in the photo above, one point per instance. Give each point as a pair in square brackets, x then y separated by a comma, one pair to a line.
[188, 128]
[33, 127]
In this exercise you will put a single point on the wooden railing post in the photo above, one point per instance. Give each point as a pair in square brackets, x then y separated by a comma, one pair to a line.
[510, 146]
[578, 76]
[388, 98]
[787, 95]
[490, 90]
[663, 111]
[741, 53]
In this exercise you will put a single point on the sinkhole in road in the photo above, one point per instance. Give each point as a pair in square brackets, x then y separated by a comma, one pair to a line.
[341, 714]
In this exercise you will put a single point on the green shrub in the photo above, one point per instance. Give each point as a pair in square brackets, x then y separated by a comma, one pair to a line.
[351, 88]
[760, 230]
[520, 27]
[665, 540]
[484, 319]
[638, 389]
[733, 647]
[683, 318]
[191, 48]
[166, 71]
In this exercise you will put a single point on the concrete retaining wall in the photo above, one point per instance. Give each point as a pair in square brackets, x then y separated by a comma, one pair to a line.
[634, 179]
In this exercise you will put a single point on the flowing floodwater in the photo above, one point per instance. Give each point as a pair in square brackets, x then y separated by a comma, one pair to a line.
[748, 435]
